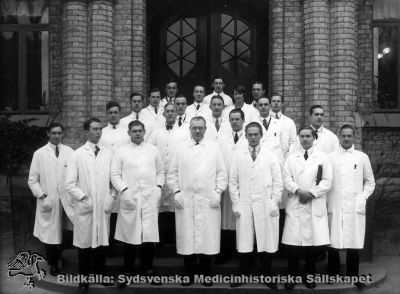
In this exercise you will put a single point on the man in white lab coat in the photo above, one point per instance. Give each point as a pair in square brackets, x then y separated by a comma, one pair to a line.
[217, 124]
[248, 109]
[228, 144]
[353, 183]
[47, 183]
[197, 175]
[138, 174]
[182, 118]
[88, 183]
[138, 113]
[308, 178]
[255, 187]
[155, 109]
[166, 139]
[218, 85]
[171, 89]
[199, 107]
[258, 91]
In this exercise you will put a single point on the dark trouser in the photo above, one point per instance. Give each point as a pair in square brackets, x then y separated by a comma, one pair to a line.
[166, 227]
[92, 260]
[310, 256]
[265, 260]
[281, 249]
[146, 257]
[228, 242]
[352, 261]
[204, 264]
[52, 254]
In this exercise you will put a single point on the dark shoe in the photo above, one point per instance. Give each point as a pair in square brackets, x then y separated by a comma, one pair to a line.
[272, 286]
[359, 285]
[83, 287]
[54, 271]
[289, 286]
[207, 284]
[311, 285]
[321, 256]
[121, 285]
[235, 285]
[110, 284]
[221, 259]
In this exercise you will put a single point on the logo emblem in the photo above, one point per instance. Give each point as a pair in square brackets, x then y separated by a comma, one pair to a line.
[27, 265]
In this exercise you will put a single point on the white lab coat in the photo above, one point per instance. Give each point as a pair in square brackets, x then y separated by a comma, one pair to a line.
[327, 142]
[227, 99]
[211, 132]
[228, 147]
[90, 175]
[145, 117]
[203, 111]
[307, 224]
[255, 188]
[353, 183]
[47, 176]
[288, 132]
[166, 141]
[138, 168]
[114, 138]
[198, 171]
[249, 113]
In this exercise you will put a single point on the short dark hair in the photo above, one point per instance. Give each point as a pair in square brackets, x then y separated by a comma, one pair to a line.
[112, 104]
[277, 94]
[197, 118]
[198, 85]
[171, 81]
[264, 97]
[136, 123]
[254, 125]
[347, 126]
[136, 94]
[240, 89]
[258, 82]
[237, 110]
[217, 97]
[219, 78]
[313, 133]
[88, 122]
[153, 90]
[55, 125]
[169, 104]
[314, 107]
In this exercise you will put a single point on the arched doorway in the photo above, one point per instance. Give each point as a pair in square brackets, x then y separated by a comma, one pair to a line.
[193, 41]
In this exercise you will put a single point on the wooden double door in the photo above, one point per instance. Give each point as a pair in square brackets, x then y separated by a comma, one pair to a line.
[194, 41]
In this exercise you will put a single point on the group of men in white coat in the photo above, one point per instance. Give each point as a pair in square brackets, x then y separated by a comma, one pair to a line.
[211, 168]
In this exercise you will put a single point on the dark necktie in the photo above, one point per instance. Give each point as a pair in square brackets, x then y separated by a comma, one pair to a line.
[316, 134]
[137, 116]
[236, 138]
[180, 121]
[198, 107]
[114, 127]
[217, 124]
[169, 127]
[96, 150]
[265, 124]
[57, 151]
[254, 153]
[155, 109]
[197, 143]
[276, 116]
[306, 155]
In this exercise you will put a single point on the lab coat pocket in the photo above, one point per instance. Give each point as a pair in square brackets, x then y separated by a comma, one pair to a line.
[45, 204]
[128, 201]
[86, 205]
[178, 199]
[109, 204]
[319, 207]
[360, 205]
[273, 208]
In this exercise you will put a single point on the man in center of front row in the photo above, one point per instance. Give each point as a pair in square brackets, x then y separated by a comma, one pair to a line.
[308, 178]
[197, 175]
[255, 187]
[137, 173]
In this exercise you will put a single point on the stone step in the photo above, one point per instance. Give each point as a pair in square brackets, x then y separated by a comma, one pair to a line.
[53, 285]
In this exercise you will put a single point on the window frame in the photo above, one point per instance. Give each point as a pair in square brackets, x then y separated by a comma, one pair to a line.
[379, 24]
[21, 30]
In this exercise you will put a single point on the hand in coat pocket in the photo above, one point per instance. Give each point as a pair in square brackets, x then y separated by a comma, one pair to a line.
[215, 201]
[273, 208]
[178, 199]
[360, 204]
[45, 204]
[236, 210]
[128, 200]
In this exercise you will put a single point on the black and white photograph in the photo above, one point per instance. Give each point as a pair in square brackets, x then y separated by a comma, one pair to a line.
[207, 146]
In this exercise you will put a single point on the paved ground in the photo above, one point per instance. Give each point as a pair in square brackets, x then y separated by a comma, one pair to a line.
[14, 285]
